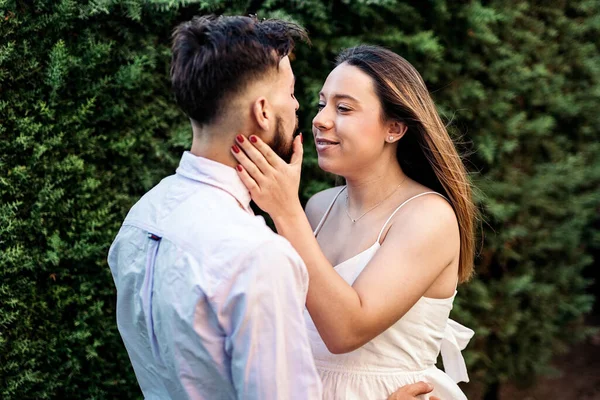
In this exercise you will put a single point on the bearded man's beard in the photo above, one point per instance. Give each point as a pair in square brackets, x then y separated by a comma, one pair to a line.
[279, 144]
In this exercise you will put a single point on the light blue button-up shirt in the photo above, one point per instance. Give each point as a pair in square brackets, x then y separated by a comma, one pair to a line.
[209, 300]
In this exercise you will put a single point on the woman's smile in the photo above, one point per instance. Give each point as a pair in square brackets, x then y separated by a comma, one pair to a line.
[323, 144]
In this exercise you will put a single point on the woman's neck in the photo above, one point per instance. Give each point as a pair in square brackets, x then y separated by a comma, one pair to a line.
[367, 190]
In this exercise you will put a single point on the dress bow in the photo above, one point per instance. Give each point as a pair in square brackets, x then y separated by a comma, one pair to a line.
[456, 338]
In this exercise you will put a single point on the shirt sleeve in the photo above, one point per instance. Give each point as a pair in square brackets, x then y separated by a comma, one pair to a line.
[262, 311]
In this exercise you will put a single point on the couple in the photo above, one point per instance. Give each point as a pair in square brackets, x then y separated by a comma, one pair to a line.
[352, 300]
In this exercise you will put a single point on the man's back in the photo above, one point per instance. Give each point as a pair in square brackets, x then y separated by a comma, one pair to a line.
[209, 299]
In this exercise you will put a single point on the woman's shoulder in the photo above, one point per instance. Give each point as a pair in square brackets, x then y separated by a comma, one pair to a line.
[317, 205]
[426, 203]
[427, 211]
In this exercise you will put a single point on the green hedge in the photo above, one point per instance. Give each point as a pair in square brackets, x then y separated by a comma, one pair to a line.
[87, 124]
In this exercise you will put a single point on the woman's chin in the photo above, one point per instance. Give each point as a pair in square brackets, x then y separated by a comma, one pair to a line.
[328, 165]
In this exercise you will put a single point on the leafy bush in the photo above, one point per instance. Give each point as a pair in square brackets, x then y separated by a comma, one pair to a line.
[88, 124]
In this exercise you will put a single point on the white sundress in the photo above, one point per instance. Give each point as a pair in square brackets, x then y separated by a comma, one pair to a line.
[403, 354]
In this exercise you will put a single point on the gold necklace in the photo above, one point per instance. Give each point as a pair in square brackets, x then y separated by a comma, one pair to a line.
[372, 208]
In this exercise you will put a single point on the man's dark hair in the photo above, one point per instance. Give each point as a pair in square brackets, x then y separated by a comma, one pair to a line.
[214, 58]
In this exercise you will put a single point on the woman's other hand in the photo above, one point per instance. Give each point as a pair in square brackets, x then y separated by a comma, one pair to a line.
[410, 392]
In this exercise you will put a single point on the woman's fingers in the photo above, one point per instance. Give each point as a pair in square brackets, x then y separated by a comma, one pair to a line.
[411, 391]
[419, 388]
[273, 183]
[298, 150]
[247, 179]
[267, 152]
[249, 145]
[250, 167]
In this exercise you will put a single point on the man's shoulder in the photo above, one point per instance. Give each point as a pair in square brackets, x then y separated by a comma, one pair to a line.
[267, 258]
[209, 225]
[246, 250]
[250, 236]
[228, 236]
[146, 205]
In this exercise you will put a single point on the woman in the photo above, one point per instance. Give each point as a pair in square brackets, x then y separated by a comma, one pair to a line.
[386, 251]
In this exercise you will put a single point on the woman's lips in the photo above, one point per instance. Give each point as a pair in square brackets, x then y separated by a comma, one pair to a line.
[324, 144]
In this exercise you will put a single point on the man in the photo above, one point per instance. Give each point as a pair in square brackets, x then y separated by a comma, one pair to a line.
[209, 300]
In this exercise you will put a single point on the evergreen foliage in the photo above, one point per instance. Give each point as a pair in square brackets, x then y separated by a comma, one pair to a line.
[87, 125]
[86, 121]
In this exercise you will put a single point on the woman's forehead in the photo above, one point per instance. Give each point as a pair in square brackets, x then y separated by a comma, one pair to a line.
[350, 81]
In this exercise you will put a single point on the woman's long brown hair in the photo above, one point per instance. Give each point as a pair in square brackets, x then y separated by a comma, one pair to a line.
[426, 153]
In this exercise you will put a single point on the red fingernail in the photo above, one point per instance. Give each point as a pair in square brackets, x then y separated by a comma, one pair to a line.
[239, 168]
[253, 139]
[235, 148]
[240, 138]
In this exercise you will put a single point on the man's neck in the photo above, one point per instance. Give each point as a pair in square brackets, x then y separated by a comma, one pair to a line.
[216, 151]
[215, 146]
[214, 154]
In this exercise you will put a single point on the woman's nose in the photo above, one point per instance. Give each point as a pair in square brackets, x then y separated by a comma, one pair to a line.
[322, 121]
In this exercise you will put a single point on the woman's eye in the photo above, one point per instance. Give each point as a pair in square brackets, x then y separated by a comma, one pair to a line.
[343, 109]
[320, 106]
[293, 97]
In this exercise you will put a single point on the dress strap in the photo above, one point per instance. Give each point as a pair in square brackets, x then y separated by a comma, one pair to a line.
[401, 205]
[324, 217]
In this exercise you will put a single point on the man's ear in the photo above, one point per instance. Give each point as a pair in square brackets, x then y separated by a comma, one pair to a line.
[396, 130]
[261, 113]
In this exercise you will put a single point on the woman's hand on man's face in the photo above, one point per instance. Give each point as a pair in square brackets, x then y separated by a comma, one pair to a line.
[272, 183]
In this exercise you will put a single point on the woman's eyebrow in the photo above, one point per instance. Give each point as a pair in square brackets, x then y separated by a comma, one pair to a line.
[341, 96]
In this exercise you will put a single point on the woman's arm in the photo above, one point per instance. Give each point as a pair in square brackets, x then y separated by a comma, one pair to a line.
[416, 249]
[419, 245]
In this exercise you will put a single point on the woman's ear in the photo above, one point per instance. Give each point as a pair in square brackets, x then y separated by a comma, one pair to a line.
[395, 131]
[261, 113]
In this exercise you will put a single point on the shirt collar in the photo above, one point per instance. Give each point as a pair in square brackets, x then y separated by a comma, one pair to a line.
[215, 174]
